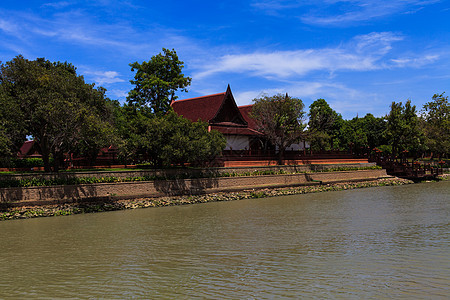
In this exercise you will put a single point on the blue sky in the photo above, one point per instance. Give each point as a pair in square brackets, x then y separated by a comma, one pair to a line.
[359, 55]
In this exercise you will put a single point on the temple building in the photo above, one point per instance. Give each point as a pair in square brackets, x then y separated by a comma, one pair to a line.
[222, 114]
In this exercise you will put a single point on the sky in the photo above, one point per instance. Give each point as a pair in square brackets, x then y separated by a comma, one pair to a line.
[358, 55]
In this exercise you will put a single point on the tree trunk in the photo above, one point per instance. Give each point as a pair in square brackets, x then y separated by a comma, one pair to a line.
[45, 151]
[280, 155]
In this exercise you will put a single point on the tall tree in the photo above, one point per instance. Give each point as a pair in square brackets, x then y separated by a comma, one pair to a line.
[403, 129]
[12, 127]
[323, 126]
[156, 82]
[436, 115]
[280, 118]
[56, 104]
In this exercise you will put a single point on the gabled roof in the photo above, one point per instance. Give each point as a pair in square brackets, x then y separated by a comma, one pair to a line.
[30, 149]
[201, 108]
[245, 112]
[218, 109]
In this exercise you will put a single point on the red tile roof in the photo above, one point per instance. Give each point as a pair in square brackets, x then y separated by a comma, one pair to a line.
[220, 111]
[245, 112]
[29, 149]
[204, 108]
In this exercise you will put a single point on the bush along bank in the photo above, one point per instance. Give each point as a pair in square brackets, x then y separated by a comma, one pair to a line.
[26, 212]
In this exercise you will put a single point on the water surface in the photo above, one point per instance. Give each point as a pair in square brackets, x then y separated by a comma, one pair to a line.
[386, 242]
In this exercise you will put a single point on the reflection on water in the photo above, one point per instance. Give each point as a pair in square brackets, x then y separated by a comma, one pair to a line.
[378, 242]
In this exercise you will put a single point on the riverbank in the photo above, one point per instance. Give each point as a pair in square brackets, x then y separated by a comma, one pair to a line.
[26, 212]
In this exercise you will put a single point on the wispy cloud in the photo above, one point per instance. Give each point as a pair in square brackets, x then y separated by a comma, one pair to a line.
[340, 12]
[78, 28]
[103, 77]
[57, 5]
[343, 99]
[362, 53]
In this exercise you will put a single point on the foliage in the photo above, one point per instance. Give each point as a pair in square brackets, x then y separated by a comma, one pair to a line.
[403, 129]
[12, 131]
[156, 82]
[57, 108]
[362, 133]
[436, 119]
[280, 118]
[170, 140]
[323, 126]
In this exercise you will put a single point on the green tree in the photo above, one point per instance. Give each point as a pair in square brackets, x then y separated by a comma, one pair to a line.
[323, 126]
[353, 135]
[280, 118]
[436, 115]
[156, 82]
[55, 103]
[12, 127]
[170, 140]
[403, 131]
[367, 132]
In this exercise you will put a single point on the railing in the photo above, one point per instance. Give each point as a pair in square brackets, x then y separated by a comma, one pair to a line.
[401, 167]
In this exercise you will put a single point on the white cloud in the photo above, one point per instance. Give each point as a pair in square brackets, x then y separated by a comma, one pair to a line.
[363, 53]
[340, 12]
[343, 99]
[415, 62]
[78, 28]
[117, 94]
[57, 5]
[104, 77]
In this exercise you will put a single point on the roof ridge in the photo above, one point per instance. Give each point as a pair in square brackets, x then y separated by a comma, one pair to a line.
[207, 96]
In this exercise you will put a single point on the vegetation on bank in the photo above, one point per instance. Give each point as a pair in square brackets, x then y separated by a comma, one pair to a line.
[51, 103]
[39, 181]
[79, 208]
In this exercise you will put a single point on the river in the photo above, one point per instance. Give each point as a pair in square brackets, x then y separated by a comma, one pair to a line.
[384, 242]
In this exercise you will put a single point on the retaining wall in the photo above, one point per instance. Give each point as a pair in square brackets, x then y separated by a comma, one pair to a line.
[157, 188]
[184, 171]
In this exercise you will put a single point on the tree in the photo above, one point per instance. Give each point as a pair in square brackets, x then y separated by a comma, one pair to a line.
[436, 115]
[55, 104]
[156, 82]
[280, 118]
[12, 127]
[323, 126]
[362, 133]
[171, 140]
[403, 129]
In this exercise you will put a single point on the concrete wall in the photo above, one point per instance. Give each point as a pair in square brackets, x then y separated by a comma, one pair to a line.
[158, 188]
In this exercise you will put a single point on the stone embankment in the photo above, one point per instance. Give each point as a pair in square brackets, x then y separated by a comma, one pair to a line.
[30, 211]
[159, 188]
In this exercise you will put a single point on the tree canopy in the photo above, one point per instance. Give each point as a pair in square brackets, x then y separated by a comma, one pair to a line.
[170, 140]
[156, 82]
[403, 130]
[280, 118]
[436, 117]
[54, 105]
[323, 126]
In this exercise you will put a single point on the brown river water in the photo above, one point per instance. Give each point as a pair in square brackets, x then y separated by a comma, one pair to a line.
[382, 243]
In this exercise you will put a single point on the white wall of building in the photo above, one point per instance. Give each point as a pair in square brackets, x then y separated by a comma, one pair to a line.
[237, 142]
[298, 147]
